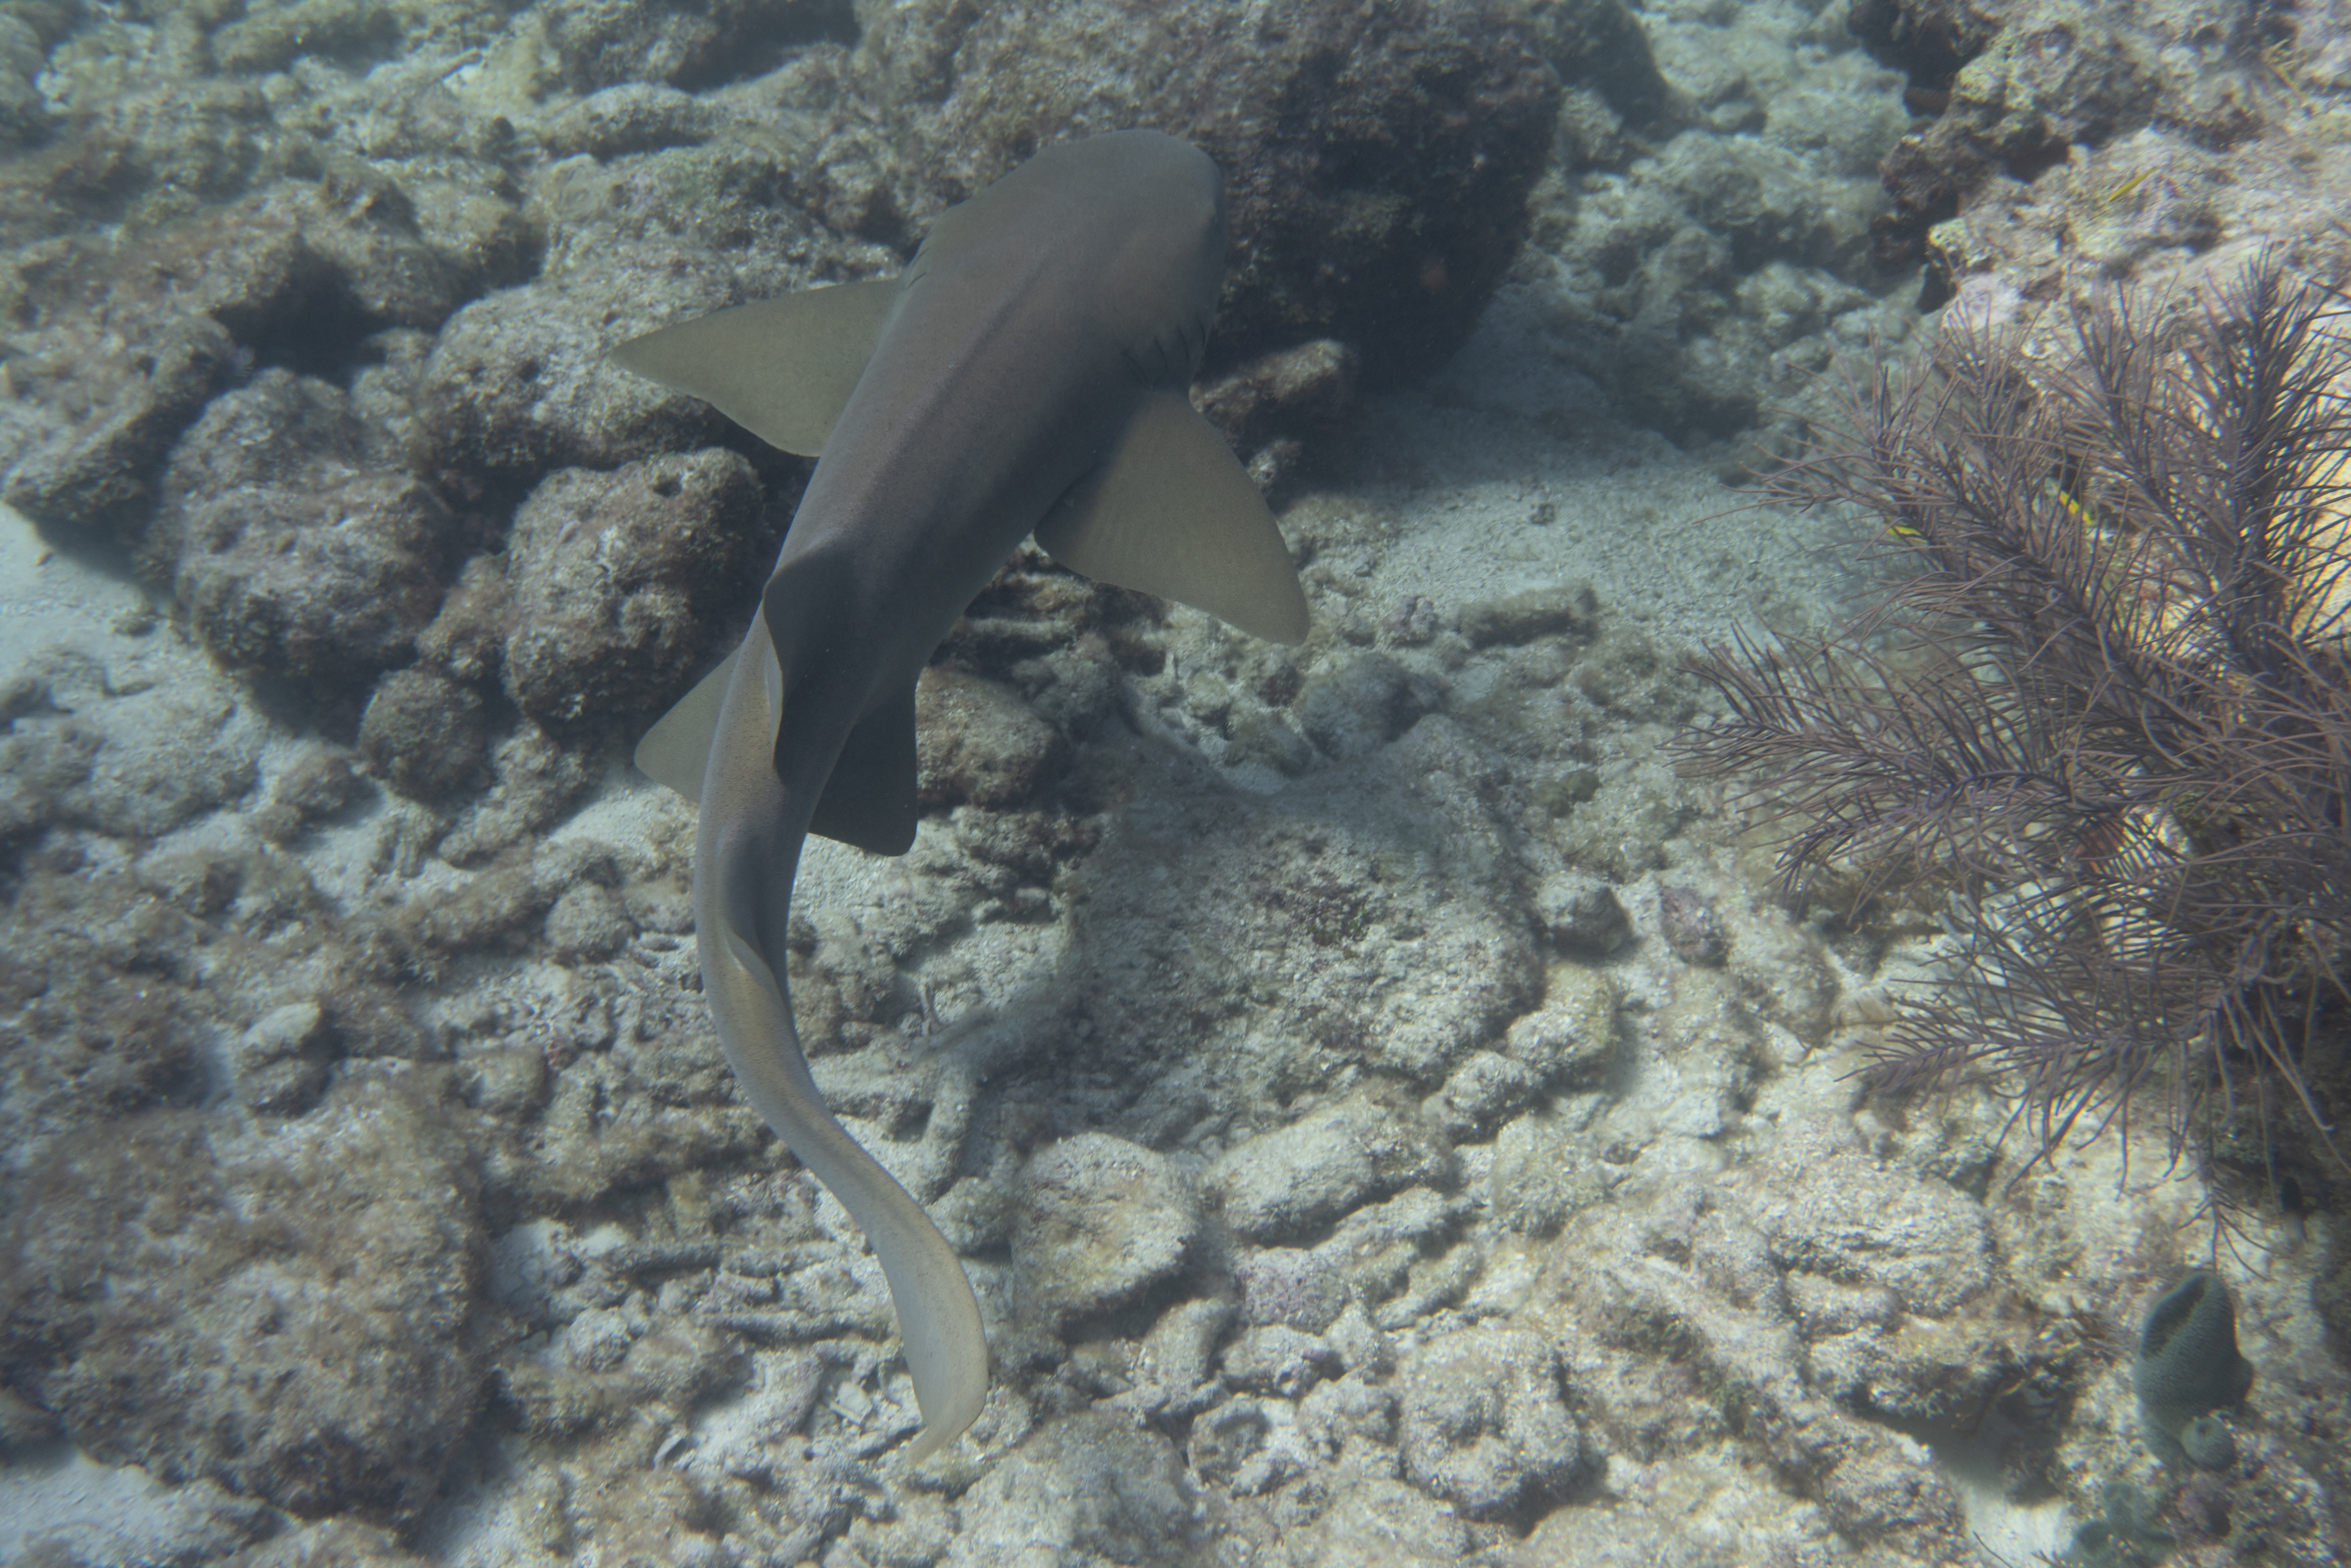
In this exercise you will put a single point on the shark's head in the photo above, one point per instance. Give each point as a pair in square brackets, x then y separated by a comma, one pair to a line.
[1138, 219]
[1156, 287]
[1158, 283]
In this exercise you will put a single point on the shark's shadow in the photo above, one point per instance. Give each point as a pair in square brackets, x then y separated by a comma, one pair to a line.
[1223, 959]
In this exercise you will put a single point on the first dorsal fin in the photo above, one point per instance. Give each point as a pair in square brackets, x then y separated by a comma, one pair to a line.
[782, 368]
[1170, 511]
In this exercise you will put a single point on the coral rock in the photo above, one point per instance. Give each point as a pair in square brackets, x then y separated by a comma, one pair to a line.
[1484, 1424]
[424, 733]
[1379, 207]
[1101, 1221]
[288, 1321]
[1284, 1183]
[618, 582]
[1085, 1492]
[977, 740]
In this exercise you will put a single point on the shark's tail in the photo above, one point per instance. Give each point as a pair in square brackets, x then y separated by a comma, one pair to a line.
[745, 853]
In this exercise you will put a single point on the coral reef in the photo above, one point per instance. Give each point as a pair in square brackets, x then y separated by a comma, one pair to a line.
[1482, 1423]
[1702, 254]
[1382, 1112]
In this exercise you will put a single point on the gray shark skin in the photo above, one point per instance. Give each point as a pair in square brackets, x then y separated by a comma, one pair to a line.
[1026, 372]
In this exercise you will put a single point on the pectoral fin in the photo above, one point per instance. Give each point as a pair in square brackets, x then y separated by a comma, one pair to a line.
[1171, 511]
[781, 368]
[869, 801]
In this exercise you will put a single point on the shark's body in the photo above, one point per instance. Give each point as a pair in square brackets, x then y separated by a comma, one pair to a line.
[1027, 372]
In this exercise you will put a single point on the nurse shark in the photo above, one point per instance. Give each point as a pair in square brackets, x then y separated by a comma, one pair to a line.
[1026, 373]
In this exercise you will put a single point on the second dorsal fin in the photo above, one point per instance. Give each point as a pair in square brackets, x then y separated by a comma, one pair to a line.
[870, 800]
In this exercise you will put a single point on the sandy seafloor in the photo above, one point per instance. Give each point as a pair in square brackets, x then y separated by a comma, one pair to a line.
[1341, 1183]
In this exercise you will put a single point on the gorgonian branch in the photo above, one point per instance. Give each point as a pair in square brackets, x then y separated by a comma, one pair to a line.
[2106, 705]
